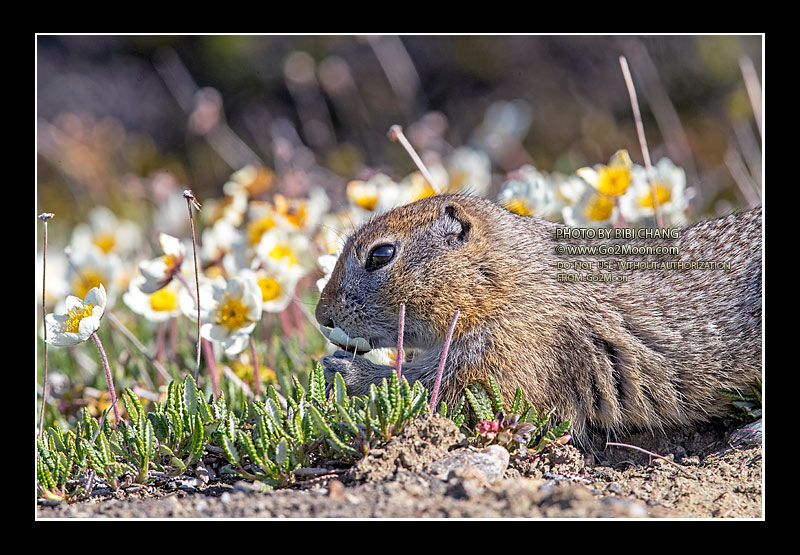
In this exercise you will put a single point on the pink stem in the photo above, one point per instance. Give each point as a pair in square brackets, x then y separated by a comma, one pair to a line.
[400, 354]
[439, 372]
[97, 342]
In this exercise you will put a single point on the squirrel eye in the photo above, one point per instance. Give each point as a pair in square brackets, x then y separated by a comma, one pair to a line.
[379, 256]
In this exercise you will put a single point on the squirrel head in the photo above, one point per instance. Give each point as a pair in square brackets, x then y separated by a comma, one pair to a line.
[433, 255]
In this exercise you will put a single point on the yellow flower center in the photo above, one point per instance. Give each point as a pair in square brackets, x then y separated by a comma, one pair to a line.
[257, 228]
[231, 313]
[244, 371]
[362, 196]
[613, 180]
[598, 208]
[163, 301]
[519, 206]
[215, 271]
[294, 210]
[279, 252]
[88, 278]
[270, 288]
[663, 194]
[104, 241]
[73, 322]
[170, 261]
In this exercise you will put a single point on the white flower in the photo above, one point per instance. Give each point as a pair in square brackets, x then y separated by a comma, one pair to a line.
[106, 232]
[231, 208]
[365, 194]
[250, 180]
[286, 251]
[530, 193]
[569, 189]
[612, 179]
[327, 262]
[592, 210]
[57, 285]
[80, 321]
[378, 194]
[158, 272]
[158, 306]
[302, 214]
[230, 312]
[89, 268]
[469, 170]
[276, 287]
[670, 192]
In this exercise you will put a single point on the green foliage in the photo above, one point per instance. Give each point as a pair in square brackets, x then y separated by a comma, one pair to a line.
[745, 406]
[519, 430]
[264, 440]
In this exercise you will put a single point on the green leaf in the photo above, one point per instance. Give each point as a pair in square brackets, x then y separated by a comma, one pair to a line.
[231, 425]
[190, 395]
[337, 443]
[230, 450]
[479, 401]
[348, 420]
[316, 384]
[198, 437]
[57, 435]
[299, 392]
[160, 424]
[339, 389]
[497, 399]
[133, 405]
[44, 475]
[176, 422]
[516, 406]
[103, 448]
[282, 453]
[203, 408]
[420, 403]
[149, 443]
[180, 467]
[246, 441]
[274, 411]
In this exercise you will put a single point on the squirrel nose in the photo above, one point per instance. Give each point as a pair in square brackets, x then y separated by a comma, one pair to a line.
[321, 314]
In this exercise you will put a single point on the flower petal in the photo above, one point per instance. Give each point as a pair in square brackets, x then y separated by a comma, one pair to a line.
[589, 175]
[72, 302]
[97, 296]
[235, 344]
[170, 245]
[88, 326]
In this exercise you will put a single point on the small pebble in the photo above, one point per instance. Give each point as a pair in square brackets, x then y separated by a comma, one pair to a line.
[614, 487]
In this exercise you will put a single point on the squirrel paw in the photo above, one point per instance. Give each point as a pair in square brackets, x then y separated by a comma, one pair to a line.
[357, 371]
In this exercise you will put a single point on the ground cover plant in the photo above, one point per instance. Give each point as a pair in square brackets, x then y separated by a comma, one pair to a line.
[175, 323]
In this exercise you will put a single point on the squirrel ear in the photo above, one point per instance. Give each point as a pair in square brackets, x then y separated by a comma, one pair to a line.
[452, 224]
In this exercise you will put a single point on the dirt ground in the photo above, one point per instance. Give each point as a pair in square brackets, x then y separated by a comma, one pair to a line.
[428, 472]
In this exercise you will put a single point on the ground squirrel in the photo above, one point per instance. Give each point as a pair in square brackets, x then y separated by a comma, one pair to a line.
[651, 351]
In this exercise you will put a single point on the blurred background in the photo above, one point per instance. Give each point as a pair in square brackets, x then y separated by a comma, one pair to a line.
[118, 115]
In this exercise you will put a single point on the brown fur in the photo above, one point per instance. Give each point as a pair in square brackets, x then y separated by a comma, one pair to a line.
[651, 352]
